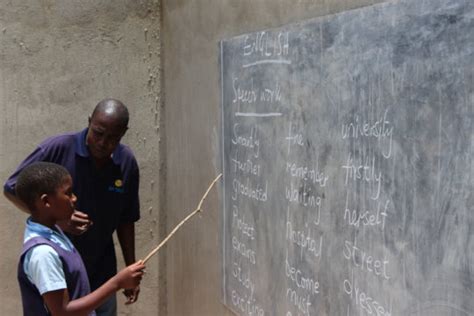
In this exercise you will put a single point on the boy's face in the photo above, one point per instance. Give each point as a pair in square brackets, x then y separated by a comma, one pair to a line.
[63, 201]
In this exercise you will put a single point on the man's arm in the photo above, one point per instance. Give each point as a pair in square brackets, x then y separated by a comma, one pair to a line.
[16, 201]
[9, 185]
[126, 237]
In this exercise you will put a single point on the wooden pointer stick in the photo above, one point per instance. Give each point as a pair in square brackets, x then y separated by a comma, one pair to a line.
[197, 210]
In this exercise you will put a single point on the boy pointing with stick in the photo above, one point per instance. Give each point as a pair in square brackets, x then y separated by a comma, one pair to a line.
[52, 277]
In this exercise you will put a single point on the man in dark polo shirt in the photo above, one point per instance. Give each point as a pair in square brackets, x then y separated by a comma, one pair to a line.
[106, 179]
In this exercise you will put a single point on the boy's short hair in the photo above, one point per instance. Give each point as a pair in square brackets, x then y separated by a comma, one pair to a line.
[37, 179]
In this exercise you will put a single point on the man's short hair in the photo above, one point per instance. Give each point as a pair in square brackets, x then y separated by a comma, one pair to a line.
[113, 107]
[37, 179]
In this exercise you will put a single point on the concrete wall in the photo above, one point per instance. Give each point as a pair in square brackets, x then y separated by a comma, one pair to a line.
[57, 60]
[191, 31]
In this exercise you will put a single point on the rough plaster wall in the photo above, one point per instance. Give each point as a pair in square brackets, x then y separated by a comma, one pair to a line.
[191, 31]
[57, 60]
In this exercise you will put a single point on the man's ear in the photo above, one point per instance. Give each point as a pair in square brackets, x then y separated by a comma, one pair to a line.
[89, 119]
[124, 131]
[44, 198]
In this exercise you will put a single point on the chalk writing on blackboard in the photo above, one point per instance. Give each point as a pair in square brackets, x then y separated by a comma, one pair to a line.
[347, 149]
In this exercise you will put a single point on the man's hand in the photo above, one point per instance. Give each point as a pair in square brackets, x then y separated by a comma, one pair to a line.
[131, 295]
[78, 224]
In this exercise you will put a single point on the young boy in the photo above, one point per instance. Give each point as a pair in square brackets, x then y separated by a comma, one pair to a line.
[52, 277]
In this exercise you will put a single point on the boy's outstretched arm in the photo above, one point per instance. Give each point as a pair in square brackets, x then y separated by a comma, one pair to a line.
[59, 304]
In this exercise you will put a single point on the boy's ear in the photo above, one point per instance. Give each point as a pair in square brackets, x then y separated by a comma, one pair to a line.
[44, 198]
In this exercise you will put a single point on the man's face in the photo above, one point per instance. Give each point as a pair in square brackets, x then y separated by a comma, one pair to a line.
[104, 134]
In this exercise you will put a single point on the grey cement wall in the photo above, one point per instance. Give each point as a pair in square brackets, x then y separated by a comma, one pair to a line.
[57, 60]
[191, 31]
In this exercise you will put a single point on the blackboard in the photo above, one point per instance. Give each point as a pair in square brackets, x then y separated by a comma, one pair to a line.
[347, 146]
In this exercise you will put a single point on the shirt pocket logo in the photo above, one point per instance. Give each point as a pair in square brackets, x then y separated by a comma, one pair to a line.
[117, 187]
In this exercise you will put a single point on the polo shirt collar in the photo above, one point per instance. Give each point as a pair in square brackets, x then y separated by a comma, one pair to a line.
[83, 151]
[36, 229]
